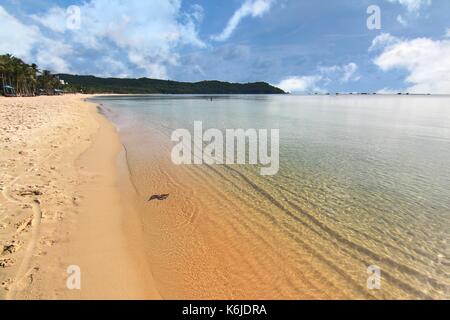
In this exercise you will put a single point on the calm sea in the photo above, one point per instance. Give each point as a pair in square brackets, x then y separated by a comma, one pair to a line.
[363, 181]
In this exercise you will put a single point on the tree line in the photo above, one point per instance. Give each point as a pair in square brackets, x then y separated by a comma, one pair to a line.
[26, 79]
[92, 84]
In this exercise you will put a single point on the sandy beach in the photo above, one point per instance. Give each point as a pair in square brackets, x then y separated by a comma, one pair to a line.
[60, 205]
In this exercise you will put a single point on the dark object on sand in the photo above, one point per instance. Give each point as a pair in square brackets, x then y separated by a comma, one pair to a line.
[159, 197]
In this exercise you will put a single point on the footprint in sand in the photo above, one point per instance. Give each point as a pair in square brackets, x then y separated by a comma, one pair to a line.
[6, 284]
[24, 224]
[11, 247]
[8, 262]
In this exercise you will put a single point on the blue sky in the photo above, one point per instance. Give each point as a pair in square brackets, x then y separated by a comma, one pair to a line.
[300, 45]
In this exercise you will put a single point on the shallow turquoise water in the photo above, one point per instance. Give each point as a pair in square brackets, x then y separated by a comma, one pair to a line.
[363, 180]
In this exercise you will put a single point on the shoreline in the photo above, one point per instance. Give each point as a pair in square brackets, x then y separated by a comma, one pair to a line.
[77, 212]
[70, 195]
[223, 230]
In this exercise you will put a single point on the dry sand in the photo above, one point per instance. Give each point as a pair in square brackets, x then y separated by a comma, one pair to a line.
[60, 205]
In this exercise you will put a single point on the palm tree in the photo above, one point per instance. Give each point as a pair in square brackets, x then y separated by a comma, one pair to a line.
[6, 68]
[2, 69]
[45, 80]
[33, 71]
[26, 78]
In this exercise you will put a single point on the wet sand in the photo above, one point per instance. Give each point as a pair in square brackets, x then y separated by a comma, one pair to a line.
[60, 205]
[205, 242]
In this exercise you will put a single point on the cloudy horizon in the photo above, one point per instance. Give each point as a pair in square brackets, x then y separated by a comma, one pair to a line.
[300, 46]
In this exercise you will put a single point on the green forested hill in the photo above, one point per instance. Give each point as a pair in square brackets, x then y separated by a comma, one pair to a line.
[91, 84]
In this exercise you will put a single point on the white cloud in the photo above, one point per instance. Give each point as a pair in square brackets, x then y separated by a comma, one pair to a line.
[382, 41]
[197, 12]
[300, 84]
[52, 55]
[388, 91]
[324, 76]
[412, 5]
[146, 35]
[427, 61]
[28, 43]
[253, 8]
[54, 19]
[413, 8]
[402, 20]
[349, 72]
[447, 34]
[112, 68]
[148, 31]
[343, 74]
[19, 42]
